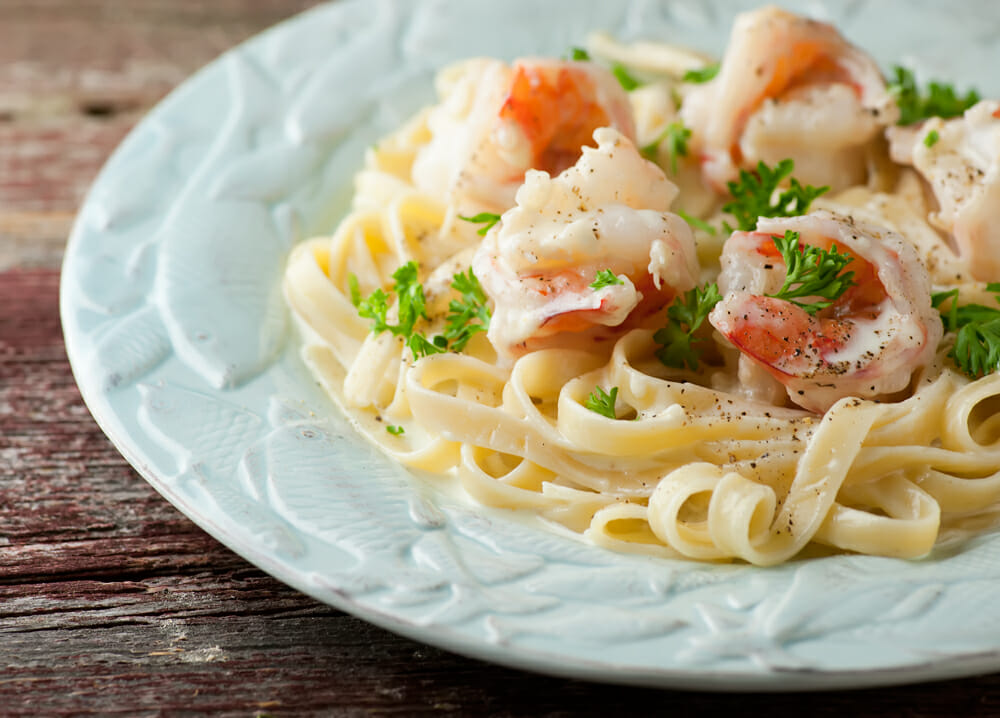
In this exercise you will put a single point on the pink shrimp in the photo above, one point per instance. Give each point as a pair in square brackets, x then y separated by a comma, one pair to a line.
[791, 87]
[504, 120]
[867, 343]
[962, 169]
[563, 302]
[607, 213]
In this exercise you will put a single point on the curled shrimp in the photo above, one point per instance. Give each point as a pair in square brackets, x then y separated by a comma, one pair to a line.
[607, 214]
[789, 87]
[962, 168]
[498, 121]
[867, 343]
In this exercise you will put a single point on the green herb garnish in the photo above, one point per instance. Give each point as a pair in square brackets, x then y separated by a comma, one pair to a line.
[697, 223]
[411, 306]
[940, 100]
[602, 402]
[487, 219]
[977, 332]
[466, 316]
[395, 430]
[686, 314]
[411, 303]
[676, 135]
[624, 77]
[932, 138]
[355, 289]
[753, 195]
[605, 278]
[675, 97]
[812, 272]
[702, 74]
[579, 54]
[374, 307]
[420, 346]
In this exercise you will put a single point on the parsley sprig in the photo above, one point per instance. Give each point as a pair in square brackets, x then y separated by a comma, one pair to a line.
[625, 78]
[702, 74]
[420, 346]
[487, 219]
[976, 350]
[940, 100]
[466, 316]
[605, 278]
[602, 402]
[812, 273]
[697, 223]
[411, 302]
[686, 314]
[676, 135]
[753, 195]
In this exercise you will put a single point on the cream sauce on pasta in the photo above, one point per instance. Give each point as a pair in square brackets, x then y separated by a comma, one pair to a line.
[714, 463]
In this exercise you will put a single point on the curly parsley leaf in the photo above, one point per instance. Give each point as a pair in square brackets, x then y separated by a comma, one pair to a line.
[420, 346]
[753, 195]
[676, 135]
[940, 100]
[467, 316]
[625, 78]
[697, 223]
[812, 272]
[411, 305]
[702, 74]
[686, 314]
[374, 307]
[487, 219]
[605, 278]
[355, 289]
[977, 332]
[602, 402]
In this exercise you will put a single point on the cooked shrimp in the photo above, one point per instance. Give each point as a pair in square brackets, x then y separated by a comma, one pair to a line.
[497, 121]
[963, 170]
[791, 87]
[867, 343]
[607, 212]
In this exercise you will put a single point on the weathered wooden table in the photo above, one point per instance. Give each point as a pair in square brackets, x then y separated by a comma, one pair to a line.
[111, 602]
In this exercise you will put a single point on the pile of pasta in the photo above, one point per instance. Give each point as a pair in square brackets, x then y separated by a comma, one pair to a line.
[692, 462]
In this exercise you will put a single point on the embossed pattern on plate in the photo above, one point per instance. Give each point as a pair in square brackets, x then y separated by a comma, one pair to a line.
[184, 353]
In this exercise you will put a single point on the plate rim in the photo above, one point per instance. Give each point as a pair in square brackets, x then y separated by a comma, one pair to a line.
[515, 656]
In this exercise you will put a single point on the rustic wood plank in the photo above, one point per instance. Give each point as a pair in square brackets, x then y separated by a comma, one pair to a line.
[69, 505]
[76, 76]
[33, 239]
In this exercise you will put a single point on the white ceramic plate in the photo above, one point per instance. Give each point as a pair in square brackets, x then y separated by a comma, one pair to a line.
[183, 350]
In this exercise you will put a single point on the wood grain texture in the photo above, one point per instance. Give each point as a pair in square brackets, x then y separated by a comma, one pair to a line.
[75, 76]
[112, 602]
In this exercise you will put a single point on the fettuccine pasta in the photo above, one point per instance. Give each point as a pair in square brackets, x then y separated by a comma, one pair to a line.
[771, 428]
